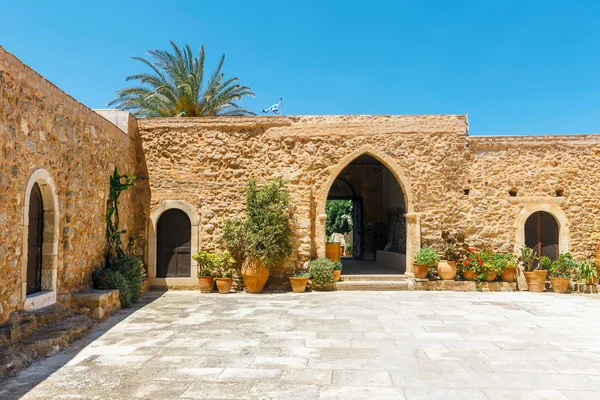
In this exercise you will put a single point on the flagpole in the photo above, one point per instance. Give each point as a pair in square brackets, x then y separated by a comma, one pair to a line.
[281, 106]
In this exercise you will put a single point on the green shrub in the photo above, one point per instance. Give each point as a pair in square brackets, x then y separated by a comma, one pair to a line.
[211, 264]
[265, 233]
[527, 258]
[300, 273]
[111, 279]
[337, 266]
[321, 274]
[546, 263]
[131, 268]
[586, 272]
[563, 267]
[426, 256]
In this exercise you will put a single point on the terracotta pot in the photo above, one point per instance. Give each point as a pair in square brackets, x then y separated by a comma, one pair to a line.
[420, 270]
[298, 284]
[224, 285]
[206, 284]
[446, 269]
[536, 280]
[490, 277]
[509, 275]
[255, 275]
[337, 274]
[560, 285]
[469, 275]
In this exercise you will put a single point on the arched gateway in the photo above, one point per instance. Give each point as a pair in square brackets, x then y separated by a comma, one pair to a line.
[371, 240]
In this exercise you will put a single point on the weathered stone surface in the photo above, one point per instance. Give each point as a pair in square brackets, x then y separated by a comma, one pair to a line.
[43, 127]
[100, 304]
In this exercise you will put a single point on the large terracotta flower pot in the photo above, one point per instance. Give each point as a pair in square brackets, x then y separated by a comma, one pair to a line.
[446, 269]
[206, 284]
[420, 270]
[224, 285]
[509, 275]
[536, 280]
[255, 275]
[298, 284]
[469, 275]
[560, 285]
[490, 277]
[337, 273]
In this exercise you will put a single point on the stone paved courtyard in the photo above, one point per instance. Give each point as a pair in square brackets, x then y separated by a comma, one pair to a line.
[341, 345]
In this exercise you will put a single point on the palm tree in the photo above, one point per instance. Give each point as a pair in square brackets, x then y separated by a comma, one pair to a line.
[176, 89]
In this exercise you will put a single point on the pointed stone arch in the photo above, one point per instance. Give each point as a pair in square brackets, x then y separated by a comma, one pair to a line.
[412, 219]
[51, 234]
[191, 212]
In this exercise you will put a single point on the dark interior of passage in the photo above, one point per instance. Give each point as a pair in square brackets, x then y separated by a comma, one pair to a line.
[174, 233]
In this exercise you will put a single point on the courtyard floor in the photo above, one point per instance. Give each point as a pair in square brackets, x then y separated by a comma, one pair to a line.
[339, 345]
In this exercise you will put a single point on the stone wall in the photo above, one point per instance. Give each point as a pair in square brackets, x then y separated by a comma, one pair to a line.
[451, 181]
[43, 128]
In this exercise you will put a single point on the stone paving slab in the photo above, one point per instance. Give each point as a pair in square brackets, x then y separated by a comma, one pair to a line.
[338, 345]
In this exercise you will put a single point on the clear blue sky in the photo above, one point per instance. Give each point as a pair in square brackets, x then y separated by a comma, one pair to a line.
[515, 66]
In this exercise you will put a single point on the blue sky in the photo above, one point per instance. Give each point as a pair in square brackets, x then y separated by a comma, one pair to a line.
[515, 66]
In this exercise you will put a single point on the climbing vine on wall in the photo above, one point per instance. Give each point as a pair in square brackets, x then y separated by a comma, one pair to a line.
[118, 184]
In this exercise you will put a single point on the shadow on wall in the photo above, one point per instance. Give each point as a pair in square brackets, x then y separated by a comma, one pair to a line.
[19, 384]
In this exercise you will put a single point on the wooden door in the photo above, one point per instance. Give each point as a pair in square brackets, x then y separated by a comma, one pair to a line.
[174, 233]
[541, 234]
[35, 235]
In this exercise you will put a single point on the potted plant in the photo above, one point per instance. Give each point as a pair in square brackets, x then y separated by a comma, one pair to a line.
[348, 252]
[587, 273]
[337, 270]
[470, 265]
[262, 240]
[535, 275]
[510, 268]
[561, 271]
[206, 270]
[298, 280]
[224, 279]
[452, 250]
[321, 274]
[424, 258]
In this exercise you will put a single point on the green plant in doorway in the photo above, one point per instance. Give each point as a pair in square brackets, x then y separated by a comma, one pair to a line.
[339, 217]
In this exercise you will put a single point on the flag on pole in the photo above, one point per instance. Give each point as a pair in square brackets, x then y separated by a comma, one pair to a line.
[273, 109]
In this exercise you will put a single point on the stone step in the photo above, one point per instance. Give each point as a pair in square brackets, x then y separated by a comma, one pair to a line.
[42, 343]
[378, 285]
[23, 323]
[375, 277]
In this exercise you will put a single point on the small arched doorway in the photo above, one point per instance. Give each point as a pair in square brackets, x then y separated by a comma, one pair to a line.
[35, 238]
[173, 255]
[542, 234]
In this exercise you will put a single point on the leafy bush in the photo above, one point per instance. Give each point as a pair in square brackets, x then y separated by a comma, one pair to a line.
[339, 217]
[210, 264]
[586, 272]
[426, 256]
[132, 270]
[486, 262]
[545, 263]
[321, 274]
[563, 267]
[111, 279]
[348, 246]
[265, 234]
[337, 266]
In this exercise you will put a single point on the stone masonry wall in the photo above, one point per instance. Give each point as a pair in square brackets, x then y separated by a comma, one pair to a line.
[43, 127]
[206, 163]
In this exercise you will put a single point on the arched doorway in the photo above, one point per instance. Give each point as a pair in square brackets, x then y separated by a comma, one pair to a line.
[542, 234]
[366, 210]
[173, 255]
[35, 238]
